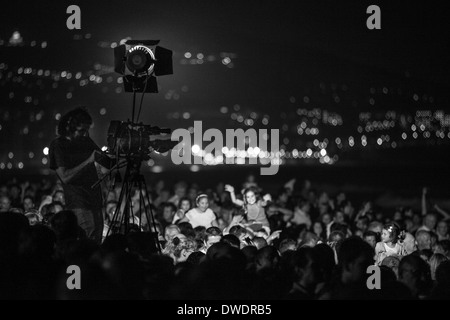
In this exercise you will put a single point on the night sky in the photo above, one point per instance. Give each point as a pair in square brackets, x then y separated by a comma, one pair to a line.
[285, 56]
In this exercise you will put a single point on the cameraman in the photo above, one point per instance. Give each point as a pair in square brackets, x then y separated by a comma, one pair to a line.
[72, 156]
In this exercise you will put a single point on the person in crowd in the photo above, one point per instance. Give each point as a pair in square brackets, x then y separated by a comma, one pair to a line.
[354, 257]
[305, 270]
[170, 232]
[319, 230]
[429, 223]
[442, 230]
[5, 203]
[201, 215]
[434, 262]
[180, 190]
[58, 196]
[441, 289]
[28, 203]
[423, 240]
[253, 208]
[168, 210]
[390, 244]
[184, 205]
[414, 272]
[371, 238]
[287, 245]
[212, 235]
[392, 262]
[442, 247]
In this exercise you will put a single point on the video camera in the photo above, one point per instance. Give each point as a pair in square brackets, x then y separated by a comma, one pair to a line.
[126, 138]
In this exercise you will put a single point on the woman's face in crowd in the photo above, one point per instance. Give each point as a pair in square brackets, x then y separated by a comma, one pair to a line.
[250, 197]
[318, 228]
[185, 205]
[442, 228]
[203, 204]
[339, 217]
[326, 219]
[385, 236]
[348, 209]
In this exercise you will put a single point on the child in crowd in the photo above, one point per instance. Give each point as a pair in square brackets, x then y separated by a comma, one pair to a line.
[390, 244]
[184, 205]
[201, 215]
[253, 208]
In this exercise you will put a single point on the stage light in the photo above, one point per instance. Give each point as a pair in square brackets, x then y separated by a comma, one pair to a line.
[139, 64]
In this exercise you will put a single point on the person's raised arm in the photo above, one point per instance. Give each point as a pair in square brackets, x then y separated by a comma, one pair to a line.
[66, 175]
[284, 211]
[424, 201]
[235, 200]
[363, 211]
[273, 236]
[23, 186]
[442, 212]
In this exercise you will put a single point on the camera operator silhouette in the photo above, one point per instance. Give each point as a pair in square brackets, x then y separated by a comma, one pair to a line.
[72, 155]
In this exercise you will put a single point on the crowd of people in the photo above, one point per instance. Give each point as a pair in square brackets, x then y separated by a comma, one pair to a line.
[187, 241]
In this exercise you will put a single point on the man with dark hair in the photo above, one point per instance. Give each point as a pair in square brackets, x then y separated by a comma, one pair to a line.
[212, 235]
[232, 240]
[305, 272]
[168, 210]
[354, 256]
[72, 156]
[371, 238]
[415, 273]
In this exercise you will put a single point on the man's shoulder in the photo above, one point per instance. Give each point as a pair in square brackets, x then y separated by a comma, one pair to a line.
[58, 142]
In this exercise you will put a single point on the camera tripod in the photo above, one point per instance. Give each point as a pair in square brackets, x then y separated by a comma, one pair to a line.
[124, 219]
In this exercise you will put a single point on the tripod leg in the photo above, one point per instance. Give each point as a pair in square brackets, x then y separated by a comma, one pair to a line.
[152, 221]
[128, 208]
[117, 218]
[141, 205]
